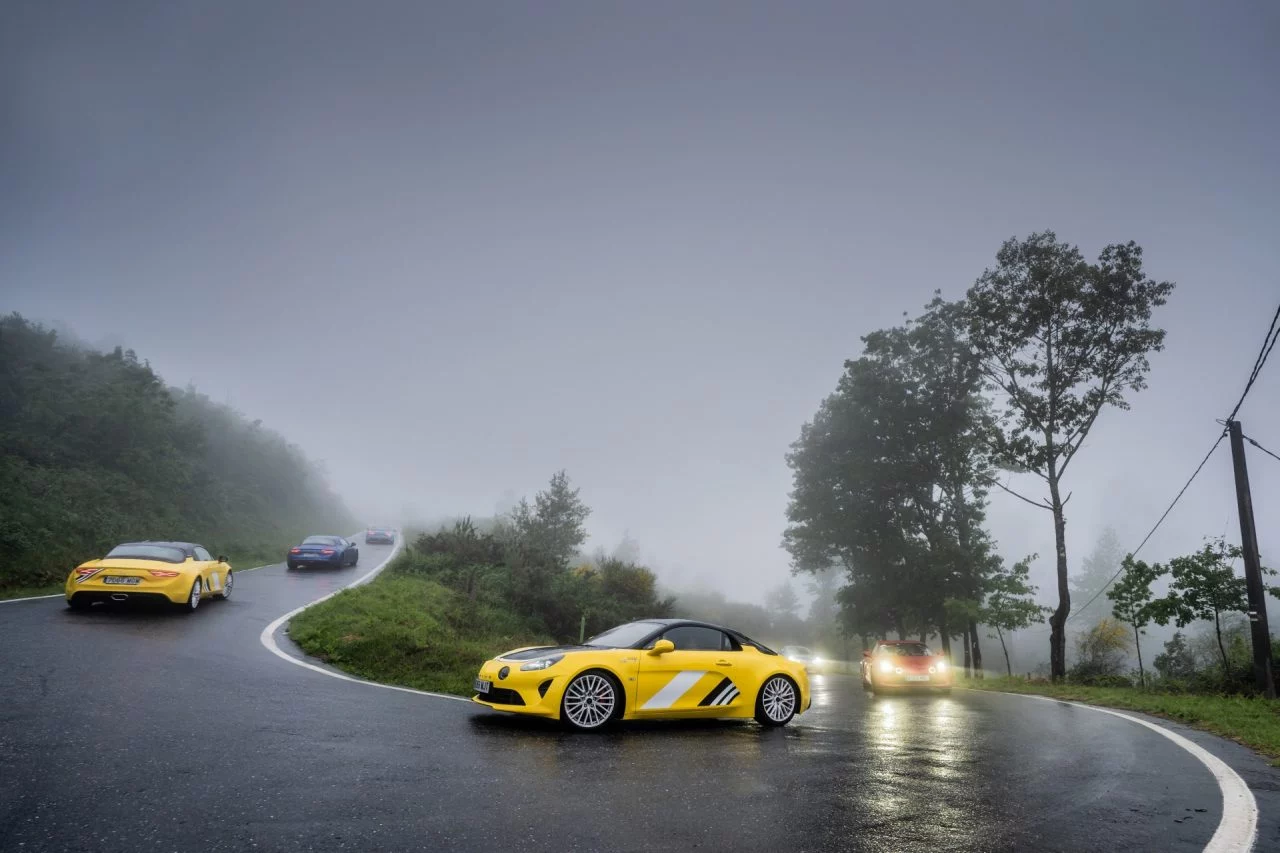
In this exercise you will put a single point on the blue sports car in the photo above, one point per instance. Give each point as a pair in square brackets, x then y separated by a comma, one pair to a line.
[332, 551]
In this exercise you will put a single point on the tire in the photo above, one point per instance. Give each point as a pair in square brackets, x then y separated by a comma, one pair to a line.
[79, 604]
[355, 561]
[193, 598]
[777, 701]
[227, 583]
[292, 567]
[591, 701]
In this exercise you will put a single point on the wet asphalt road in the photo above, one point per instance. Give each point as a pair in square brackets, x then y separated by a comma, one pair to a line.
[152, 730]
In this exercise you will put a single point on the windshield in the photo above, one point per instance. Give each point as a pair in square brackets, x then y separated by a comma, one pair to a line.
[163, 553]
[909, 650]
[624, 636]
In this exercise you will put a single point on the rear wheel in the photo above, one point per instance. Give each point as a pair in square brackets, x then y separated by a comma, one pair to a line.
[591, 701]
[193, 599]
[79, 603]
[227, 583]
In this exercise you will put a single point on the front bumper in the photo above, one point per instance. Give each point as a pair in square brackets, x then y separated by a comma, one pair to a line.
[535, 693]
[912, 679]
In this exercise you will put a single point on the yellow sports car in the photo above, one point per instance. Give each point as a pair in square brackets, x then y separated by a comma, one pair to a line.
[179, 572]
[654, 668]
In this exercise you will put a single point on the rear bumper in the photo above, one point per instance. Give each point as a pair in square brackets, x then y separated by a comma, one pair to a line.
[176, 590]
[303, 561]
[379, 540]
[91, 596]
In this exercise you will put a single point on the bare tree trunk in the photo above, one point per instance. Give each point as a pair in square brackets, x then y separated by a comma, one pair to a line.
[944, 636]
[1222, 650]
[924, 636]
[1137, 644]
[977, 649]
[968, 660]
[900, 627]
[1058, 621]
[1008, 667]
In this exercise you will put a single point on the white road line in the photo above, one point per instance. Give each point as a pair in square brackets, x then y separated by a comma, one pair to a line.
[63, 594]
[1239, 824]
[268, 638]
[34, 598]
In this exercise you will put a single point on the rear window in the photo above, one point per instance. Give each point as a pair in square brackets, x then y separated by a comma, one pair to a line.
[163, 553]
[320, 540]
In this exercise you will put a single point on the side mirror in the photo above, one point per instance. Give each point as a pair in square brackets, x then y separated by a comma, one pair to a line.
[222, 558]
[866, 653]
[662, 647]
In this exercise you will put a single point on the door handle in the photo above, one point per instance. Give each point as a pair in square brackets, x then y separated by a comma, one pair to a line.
[723, 663]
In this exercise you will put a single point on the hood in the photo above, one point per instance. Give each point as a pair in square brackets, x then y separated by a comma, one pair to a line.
[534, 652]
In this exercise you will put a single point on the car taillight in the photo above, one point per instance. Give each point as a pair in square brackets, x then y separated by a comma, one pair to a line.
[295, 550]
[87, 570]
[326, 550]
[163, 573]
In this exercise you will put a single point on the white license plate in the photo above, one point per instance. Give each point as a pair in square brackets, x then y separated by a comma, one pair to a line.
[483, 686]
[917, 678]
[123, 580]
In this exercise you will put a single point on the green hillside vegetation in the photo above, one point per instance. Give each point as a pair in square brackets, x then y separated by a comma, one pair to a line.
[96, 449]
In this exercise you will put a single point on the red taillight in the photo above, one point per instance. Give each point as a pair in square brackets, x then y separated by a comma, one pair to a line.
[163, 573]
[295, 550]
[86, 570]
[326, 550]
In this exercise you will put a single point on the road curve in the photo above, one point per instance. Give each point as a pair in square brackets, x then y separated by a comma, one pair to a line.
[152, 730]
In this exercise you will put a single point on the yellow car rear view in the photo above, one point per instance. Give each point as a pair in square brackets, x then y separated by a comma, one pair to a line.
[650, 669]
[181, 573]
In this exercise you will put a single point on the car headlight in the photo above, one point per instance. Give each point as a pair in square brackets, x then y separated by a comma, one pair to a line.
[817, 661]
[886, 666]
[541, 663]
[942, 666]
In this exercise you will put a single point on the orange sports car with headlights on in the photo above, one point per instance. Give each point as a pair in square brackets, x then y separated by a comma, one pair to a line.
[904, 663]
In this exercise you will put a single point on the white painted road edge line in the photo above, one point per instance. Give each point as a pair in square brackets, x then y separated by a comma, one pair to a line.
[268, 635]
[63, 594]
[1239, 825]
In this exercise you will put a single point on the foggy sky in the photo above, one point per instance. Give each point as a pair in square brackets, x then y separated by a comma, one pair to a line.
[637, 242]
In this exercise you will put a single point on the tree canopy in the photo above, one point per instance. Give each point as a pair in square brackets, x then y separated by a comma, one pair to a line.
[96, 449]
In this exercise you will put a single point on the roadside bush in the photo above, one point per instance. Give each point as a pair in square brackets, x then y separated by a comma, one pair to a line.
[1102, 653]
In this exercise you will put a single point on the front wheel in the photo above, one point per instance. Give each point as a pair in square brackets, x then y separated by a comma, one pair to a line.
[590, 702]
[777, 701]
[193, 599]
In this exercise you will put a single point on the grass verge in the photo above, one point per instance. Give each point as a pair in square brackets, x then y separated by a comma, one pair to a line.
[1251, 721]
[408, 630]
[30, 591]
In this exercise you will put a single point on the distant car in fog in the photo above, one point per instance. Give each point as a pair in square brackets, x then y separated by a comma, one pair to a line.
[331, 551]
[379, 536]
[892, 664]
[803, 654]
[181, 573]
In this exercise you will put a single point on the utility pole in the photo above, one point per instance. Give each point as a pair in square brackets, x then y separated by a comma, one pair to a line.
[1252, 568]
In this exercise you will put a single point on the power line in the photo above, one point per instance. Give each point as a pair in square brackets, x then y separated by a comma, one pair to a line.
[1260, 447]
[1156, 526]
[1268, 344]
[1264, 352]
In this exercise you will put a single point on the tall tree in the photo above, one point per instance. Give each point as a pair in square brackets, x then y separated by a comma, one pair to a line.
[890, 478]
[782, 601]
[1010, 605]
[1131, 599]
[1061, 339]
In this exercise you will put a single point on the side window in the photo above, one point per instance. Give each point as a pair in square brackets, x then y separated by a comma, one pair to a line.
[202, 554]
[692, 638]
